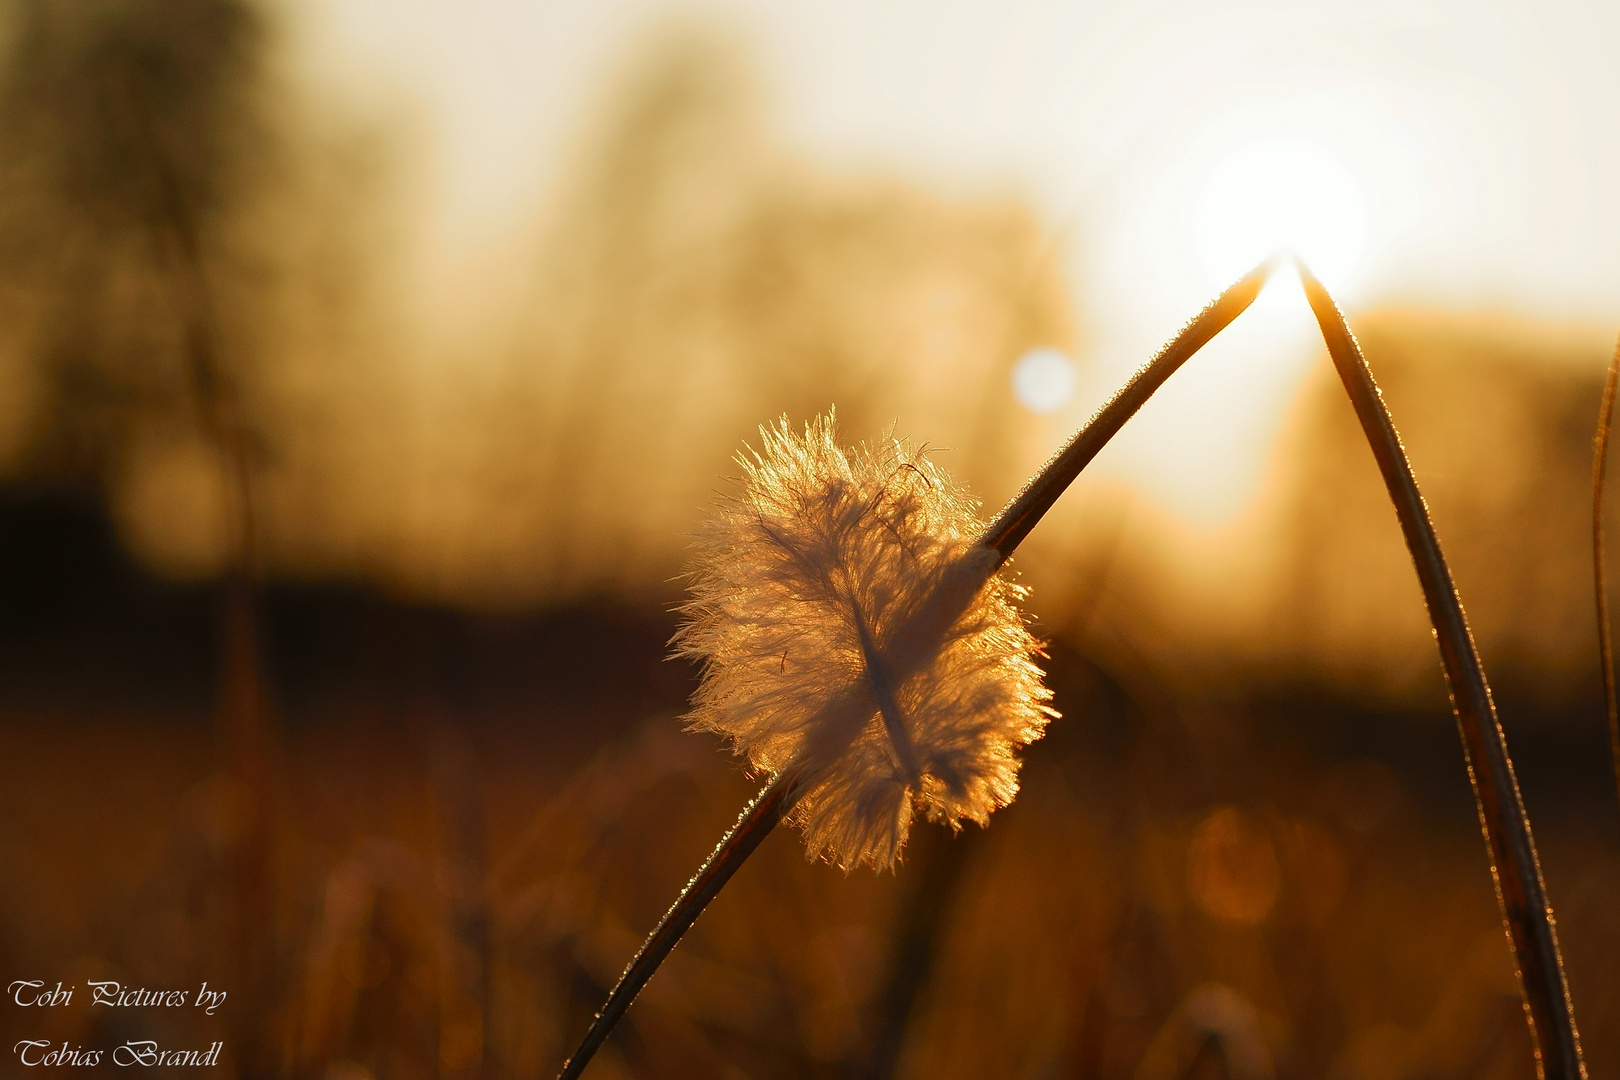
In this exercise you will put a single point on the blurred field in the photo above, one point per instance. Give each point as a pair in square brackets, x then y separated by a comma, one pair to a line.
[478, 816]
[332, 655]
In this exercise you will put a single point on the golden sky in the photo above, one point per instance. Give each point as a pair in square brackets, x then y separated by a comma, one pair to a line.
[1456, 154]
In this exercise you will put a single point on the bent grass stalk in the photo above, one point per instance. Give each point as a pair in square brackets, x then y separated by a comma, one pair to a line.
[1600, 455]
[1522, 897]
[1526, 914]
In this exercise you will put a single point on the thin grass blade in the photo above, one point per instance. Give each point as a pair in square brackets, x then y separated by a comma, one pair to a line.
[1530, 925]
[1030, 505]
[1600, 455]
[756, 823]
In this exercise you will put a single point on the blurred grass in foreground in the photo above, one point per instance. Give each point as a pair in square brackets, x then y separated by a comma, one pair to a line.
[480, 815]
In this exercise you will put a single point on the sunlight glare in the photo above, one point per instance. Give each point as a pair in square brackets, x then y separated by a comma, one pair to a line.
[1281, 194]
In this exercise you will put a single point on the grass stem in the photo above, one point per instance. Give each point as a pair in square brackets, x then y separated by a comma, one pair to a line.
[1030, 505]
[756, 823]
[1531, 928]
[1002, 536]
[1600, 455]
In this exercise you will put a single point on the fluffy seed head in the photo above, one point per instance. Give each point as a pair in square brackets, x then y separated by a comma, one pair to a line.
[854, 635]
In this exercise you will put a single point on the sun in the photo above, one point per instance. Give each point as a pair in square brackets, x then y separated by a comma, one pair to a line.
[1281, 194]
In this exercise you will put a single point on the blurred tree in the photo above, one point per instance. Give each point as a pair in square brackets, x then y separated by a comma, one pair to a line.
[135, 138]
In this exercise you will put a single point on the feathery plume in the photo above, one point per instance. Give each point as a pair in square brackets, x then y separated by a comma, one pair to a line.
[858, 642]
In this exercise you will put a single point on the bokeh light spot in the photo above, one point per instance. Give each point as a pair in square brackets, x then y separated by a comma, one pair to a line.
[1043, 380]
[1232, 870]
